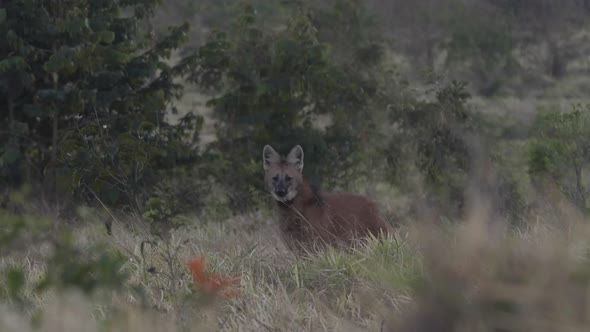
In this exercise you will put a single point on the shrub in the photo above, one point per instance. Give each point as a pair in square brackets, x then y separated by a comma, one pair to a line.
[67, 265]
[431, 137]
[559, 152]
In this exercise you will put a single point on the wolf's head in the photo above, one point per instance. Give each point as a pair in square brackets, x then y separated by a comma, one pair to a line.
[283, 175]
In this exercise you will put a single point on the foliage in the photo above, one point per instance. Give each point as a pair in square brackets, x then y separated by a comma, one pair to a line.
[433, 137]
[490, 43]
[351, 31]
[464, 275]
[68, 265]
[85, 94]
[178, 194]
[418, 29]
[476, 281]
[551, 24]
[559, 152]
[219, 13]
[272, 88]
[93, 268]
[482, 40]
[18, 229]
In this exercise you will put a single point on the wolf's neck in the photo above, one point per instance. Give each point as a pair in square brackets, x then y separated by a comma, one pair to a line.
[307, 195]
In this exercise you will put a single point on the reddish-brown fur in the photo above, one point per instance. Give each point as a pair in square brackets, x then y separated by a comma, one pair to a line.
[312, 219]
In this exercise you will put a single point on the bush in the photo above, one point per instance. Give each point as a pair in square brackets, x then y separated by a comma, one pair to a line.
[431, 138]
[68, 265]
[559, 152]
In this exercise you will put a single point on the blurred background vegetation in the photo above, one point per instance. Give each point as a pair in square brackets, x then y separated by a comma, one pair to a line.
[155, 113]
[144, 107]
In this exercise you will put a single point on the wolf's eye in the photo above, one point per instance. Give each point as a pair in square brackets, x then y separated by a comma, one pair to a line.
[288, 178]
[275, 178]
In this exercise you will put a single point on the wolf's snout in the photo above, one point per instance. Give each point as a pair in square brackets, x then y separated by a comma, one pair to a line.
[281, 192]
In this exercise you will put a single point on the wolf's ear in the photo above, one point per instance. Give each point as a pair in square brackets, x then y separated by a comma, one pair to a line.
[295, 157]
[269, 156]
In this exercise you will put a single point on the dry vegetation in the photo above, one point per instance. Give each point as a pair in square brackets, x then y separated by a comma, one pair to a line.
[474, 275]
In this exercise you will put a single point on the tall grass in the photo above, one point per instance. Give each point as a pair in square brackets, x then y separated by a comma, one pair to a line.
[474, 275]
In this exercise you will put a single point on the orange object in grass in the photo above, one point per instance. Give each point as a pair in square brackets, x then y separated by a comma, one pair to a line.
[210, 283]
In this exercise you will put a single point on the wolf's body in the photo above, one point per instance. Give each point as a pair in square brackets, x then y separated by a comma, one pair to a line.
[310, 219]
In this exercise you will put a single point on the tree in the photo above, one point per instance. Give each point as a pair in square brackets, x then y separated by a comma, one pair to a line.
[271, 88]
[86, 93]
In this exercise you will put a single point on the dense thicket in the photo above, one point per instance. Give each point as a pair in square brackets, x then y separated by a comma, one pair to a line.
[84, 91]
[559, 153]
[86, 87]
[284, 88]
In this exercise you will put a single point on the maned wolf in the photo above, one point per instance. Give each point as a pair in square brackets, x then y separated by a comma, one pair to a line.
[309, 218]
